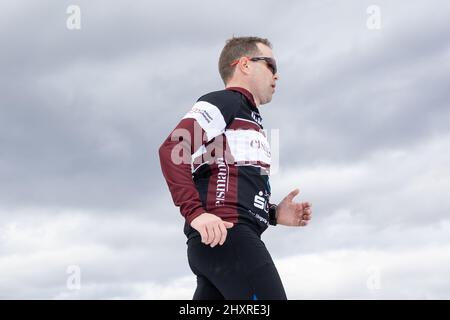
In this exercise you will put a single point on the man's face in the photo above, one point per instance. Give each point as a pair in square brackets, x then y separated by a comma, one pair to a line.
[262, 80]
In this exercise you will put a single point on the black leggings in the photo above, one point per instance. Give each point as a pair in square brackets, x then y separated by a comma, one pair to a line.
[240, 269]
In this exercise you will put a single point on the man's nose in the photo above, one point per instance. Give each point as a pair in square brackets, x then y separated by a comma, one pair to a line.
[276, 77]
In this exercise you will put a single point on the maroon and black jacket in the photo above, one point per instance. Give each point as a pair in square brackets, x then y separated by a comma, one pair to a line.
[217, 160]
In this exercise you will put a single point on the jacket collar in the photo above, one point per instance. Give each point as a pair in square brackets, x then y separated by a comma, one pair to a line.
[245, 92]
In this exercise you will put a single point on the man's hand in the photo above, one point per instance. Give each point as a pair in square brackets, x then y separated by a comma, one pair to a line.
[212, 229]
[290, 213]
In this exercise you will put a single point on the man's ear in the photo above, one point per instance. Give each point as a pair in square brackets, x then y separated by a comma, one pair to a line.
[244, 66]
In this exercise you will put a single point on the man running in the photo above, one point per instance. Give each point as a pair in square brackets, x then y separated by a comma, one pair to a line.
[216, 163]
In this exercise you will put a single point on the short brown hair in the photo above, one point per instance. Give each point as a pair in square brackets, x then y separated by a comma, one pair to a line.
[235, 48]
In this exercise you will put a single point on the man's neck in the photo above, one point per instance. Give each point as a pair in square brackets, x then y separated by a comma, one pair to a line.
[241, 85]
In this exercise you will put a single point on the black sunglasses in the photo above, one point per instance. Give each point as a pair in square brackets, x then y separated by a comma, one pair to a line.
[271, 63]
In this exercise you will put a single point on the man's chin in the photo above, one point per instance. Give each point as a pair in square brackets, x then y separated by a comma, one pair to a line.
[268, 99]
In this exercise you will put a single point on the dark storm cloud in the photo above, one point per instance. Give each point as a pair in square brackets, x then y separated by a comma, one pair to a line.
[75, 132]
[389, 93]
[343, 106]
[82, 114]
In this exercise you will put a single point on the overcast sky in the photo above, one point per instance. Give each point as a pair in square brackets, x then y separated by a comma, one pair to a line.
[362, 115]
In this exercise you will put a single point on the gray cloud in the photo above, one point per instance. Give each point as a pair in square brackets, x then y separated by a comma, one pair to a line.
[361, 99]
[362, 116]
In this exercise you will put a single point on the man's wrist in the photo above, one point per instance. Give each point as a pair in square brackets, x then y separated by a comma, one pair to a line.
[273, 214]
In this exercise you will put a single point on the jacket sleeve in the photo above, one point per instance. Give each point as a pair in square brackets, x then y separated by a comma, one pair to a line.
[175, 156]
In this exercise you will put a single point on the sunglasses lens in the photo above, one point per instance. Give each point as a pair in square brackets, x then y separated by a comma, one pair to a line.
[270, 62]
[273, 66]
